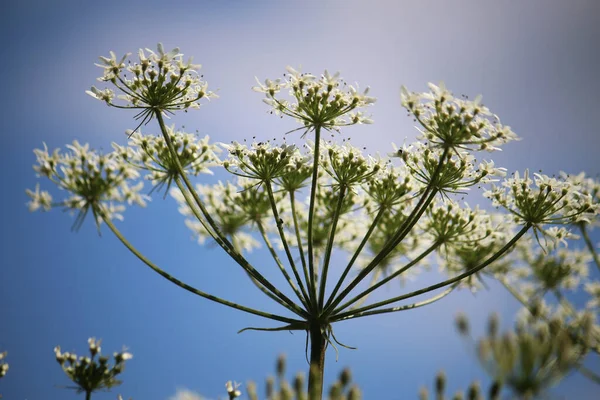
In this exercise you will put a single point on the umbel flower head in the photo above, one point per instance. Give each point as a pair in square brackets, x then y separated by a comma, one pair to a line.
[454, 123]
[551, 201]
[151, 154]
[100, 183]
[91, 374]
[159, 81]
[325, 102]
[261, 161]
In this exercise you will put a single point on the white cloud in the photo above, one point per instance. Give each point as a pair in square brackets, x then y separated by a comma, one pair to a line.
[184, 394]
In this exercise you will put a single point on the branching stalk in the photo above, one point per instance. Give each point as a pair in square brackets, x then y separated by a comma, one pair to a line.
[189, 288]
[389, 278]
[223, 241]
[311, 212]
[447, 282]
[329, 248]
[304, 296]
[355, 256]
[300, 247]
[399, 308]
[261, 229]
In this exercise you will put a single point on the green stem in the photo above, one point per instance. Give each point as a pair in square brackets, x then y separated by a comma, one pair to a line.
[401, 234]
[221, 239]
[88, 395]
[329, 248]
[299, 240]
[403, 230]
[374, 278]
[318, 345]
[273, 295]
[311, 212]
[399, 308]
[355, 256]
[588, 373]
[302, 297]
[389, 278]
[261, 229]
[447, 282]
[189, 288]
[589, 244]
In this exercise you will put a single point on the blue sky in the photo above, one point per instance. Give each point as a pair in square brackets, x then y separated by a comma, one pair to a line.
[536, 64]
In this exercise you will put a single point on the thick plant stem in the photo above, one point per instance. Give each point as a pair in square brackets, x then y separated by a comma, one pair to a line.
[88, 395]
[318, 345]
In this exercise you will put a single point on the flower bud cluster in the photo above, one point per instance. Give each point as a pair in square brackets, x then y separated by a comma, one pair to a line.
[588, 187]
[451, 225]
[97, 182]
[350, 225]
[318, 102]
[152, 154]
[297, 173]
[260, 161]
[347, 165]
[410, 247]
[456, 174]
[530, 359]
[473, 392]
[470, 250]
[390, 187]
[449, 122]
[560, 269]
[552, 201]
[234, 206]
[158, 81]
[593, 289]
[92, 373]
[232, 390]
[3, 364]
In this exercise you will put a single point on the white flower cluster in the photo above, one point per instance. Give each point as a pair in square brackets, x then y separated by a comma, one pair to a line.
[450, 225]
[159, 81]
[347, 165]
[551, 201]
[449, 122]
[90, 374]
[455, 173]
[3, 365]
[325, 102]
[261, 161]
[587, 187]
[235, 207]
[95, 182]
[151, 154]
[232, 389]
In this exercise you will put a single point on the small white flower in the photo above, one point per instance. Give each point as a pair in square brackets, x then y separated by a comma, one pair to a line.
[39, 199]
[232, 389]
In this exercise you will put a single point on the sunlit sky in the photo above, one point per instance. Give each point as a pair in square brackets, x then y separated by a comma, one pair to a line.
[536, 64]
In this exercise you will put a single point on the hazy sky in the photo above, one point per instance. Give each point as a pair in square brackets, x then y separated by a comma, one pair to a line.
[536, 64]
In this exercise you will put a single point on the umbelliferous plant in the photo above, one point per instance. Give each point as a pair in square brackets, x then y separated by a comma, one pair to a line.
[309, 200]
[91, 374]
